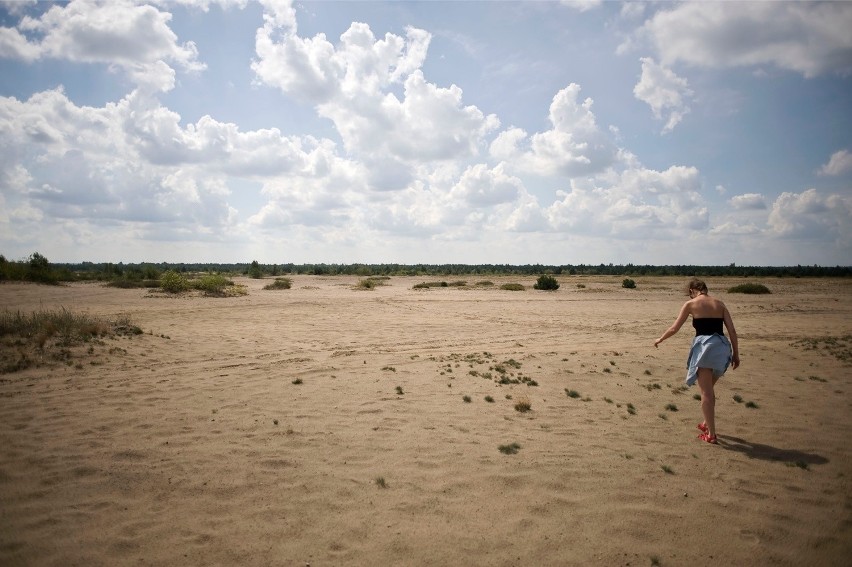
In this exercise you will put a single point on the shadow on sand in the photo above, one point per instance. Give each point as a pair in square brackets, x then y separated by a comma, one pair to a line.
[769, 453]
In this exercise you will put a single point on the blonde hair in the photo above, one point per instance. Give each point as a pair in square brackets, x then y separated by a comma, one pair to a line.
[697, 285]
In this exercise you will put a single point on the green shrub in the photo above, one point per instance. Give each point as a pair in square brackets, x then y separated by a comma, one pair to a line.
[512, 287]
[212, 284]
[546, 283]
[628, 283]
[751, 288]
[280, 283]
[173, 282]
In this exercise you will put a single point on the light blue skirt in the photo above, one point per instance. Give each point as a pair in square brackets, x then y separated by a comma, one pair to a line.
[708, 351]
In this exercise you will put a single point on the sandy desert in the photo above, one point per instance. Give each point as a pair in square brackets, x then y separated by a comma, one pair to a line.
[331, 425]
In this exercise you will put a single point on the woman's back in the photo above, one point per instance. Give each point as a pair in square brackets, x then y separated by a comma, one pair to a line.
[705, 307]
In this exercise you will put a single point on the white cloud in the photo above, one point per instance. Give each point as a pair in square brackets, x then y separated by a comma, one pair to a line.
[811, 38]
[573, 146]
[134, 37]
[812, 215]
[839, 164]
[351, 84]
[664, 92]
[748, 201]
[582, 5]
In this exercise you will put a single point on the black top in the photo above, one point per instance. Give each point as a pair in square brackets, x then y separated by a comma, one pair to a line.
[708, 326]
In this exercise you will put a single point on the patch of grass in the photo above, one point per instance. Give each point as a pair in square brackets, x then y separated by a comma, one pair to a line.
[607, 370]
[647, 372]
[381, 482]
[489, 399]
[838, 347]
[631, 409]
[399, 390]
[297, 381]
[749, 288]
[608, 400]
[752, 405]
[512, 287]
[523, 405]
[817, 379]
[667, 469]
[510, 449]
[572, 393]
[737, 398]
[663, 416]
[427, 285]
[671, 407]
[467, 399]
[389, 368]
[280, 283]
[485, 283]
[46, 337]
[581, 286]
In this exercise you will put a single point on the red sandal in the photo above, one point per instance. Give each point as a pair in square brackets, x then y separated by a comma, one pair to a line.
[703, 427]
[709, 438]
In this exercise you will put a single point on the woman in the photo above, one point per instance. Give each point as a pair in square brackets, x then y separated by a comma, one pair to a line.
[711, 351]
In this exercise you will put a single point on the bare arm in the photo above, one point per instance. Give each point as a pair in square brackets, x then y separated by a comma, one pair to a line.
[732, 336]
[681, 319]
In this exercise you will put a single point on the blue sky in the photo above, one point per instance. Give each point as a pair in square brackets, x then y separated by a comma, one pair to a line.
[439, 132]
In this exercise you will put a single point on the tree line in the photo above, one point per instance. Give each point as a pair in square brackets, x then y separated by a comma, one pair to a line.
[38, 268]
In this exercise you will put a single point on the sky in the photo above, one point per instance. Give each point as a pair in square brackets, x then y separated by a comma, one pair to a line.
[574, 132]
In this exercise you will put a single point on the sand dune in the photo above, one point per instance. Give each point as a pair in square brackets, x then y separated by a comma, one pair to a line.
[270, 429]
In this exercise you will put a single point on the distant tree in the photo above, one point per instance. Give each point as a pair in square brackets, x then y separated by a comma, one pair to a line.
[255, 271]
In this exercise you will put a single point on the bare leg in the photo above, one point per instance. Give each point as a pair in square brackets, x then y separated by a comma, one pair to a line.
[708, 399]
[703, 426]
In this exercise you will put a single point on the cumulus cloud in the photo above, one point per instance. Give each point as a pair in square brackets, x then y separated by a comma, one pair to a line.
[839, 164]
[812, 215]
[573, 146]
[810, 38]
[664, 92]
[131, 36]
[748, 201]
[351, 83]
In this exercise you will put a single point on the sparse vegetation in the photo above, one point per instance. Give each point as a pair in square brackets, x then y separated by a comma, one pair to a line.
[489, 399]
[510, 449]
[523, 405]
[737, 398]
[628, 283]
[467, 399]
[399, 390]
[380, 482]
[279, 283]
[671, 407]
[572, 393]
[752, 405]
[749, 288]
[297, 381]
[667, 469]
[512, 287]
[47, 337]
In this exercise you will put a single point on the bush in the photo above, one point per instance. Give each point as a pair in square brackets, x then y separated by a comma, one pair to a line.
[173, 282]
[512, 287]
[212, 284]
[546, 283]
[280, 283]
[628, 283]
[752, 288]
